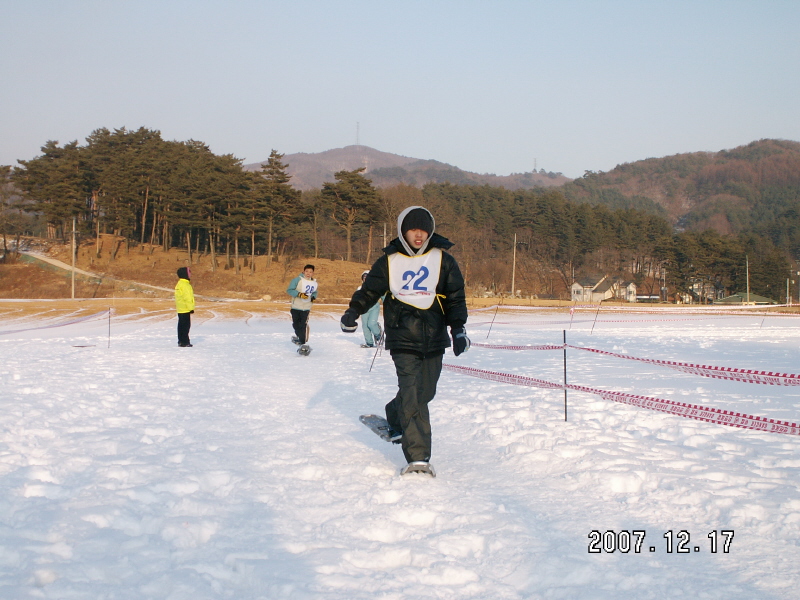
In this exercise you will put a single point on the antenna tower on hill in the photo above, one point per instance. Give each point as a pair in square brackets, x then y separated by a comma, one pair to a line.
[364, 158]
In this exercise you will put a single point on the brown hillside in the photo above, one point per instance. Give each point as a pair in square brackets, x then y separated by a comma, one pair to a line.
[132, 272]
[702, 189]
[337, 279]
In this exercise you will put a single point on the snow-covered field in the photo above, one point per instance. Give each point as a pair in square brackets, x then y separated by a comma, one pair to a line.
[238, 469]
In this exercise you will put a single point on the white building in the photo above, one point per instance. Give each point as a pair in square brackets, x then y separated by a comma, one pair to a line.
[597, 289]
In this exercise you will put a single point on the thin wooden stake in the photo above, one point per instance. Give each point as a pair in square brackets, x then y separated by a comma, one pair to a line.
[595, 318]
[492, 323]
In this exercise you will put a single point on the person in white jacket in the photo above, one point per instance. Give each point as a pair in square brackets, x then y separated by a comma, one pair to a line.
[303, 290]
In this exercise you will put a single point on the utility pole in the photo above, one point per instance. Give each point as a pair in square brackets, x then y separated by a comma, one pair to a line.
[73, 258]
[747, 271]
[514, 268]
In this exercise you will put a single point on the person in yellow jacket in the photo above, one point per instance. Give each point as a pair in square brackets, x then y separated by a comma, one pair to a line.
[184, 303]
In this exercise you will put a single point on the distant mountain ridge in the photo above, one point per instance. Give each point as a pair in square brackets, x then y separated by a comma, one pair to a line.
[729, 191]
[311, 171]
[754, 186]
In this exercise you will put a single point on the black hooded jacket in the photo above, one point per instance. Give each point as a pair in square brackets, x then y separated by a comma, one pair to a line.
[407, 327]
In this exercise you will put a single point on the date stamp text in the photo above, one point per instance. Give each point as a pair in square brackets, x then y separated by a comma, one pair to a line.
[636, 541]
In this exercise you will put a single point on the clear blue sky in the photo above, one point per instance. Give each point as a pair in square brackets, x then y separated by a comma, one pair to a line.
[488, 86]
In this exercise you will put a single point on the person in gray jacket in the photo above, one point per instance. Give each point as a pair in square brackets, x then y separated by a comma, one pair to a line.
[425, 297]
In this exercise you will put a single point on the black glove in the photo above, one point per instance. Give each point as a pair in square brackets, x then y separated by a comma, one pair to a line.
[460, 340]
[302, 295]
[191, 312]
[313, 298]
[348, 323]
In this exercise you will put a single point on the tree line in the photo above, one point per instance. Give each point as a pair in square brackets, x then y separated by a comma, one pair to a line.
[754, 188]
[146, 190]
[559, 241]
[151, 192]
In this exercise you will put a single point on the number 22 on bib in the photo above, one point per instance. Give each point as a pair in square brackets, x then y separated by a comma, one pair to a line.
[413, 279]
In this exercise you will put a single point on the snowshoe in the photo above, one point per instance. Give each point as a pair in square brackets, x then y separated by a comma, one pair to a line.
[419, 466]
[304, 350]
[295, 340]
[380, 426]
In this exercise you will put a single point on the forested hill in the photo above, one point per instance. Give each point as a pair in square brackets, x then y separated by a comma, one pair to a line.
[145, 191]
[311, 171]
[749, 188]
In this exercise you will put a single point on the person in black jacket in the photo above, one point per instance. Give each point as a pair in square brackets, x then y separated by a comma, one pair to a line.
[426, 296]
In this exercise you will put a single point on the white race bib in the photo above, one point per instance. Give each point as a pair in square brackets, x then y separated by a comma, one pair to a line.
[413, 279]
[306, 286]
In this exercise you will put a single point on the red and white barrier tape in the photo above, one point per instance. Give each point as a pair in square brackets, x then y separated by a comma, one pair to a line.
[634, 320]
[473, 324]
[691, 411]
[632, 307]
[80, 320]
[501, 347]
[728, 373]
[503, 377]
[745, 375]
[519, 307]
[694, 411]
[695, 318]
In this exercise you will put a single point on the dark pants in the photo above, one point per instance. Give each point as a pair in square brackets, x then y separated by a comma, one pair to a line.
[300, 324]
[184, 324]
[417, 376]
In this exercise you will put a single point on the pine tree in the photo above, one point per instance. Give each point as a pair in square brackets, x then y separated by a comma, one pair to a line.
[56, 183]
[352, 200]
[275, 198]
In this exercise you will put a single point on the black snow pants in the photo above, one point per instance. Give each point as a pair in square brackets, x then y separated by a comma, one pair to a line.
[417, 376]
[300, 323]
[184, 325]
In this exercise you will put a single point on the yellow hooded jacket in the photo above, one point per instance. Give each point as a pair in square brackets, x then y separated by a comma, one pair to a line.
[184, 296]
